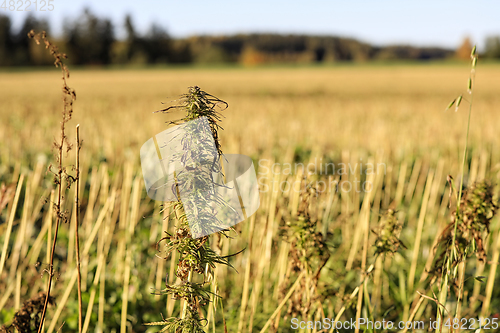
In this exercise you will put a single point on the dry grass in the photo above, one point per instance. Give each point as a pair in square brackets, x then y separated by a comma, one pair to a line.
[344, 108]
[388, 114]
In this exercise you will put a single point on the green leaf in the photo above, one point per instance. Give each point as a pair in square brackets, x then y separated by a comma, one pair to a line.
[480, 278]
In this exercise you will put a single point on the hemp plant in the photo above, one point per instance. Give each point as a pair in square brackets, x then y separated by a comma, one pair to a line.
[199, 209]
[477, 208]
[388, 232]
[307, 257]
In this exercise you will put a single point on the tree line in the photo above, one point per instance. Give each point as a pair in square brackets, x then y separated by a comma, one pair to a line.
[91, 40]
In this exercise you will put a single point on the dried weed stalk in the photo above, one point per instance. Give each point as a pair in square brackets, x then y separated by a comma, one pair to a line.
[61, 146]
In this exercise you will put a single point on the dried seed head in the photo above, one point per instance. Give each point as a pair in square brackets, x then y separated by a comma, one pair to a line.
[451, 104]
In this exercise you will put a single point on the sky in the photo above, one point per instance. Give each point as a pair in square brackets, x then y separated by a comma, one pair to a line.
[442, 23]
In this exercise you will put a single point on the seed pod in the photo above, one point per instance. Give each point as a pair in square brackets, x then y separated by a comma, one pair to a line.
[473, 52]
[469, 86]
[474, 62]
[459, 100]
[451, 104]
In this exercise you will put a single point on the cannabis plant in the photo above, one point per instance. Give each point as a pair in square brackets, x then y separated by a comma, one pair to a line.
[307, 257]
[199, 210]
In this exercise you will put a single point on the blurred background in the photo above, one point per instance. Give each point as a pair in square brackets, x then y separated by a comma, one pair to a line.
[263, 32]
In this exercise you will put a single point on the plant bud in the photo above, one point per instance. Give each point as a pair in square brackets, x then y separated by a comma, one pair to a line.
[459, 100]
[451, 104]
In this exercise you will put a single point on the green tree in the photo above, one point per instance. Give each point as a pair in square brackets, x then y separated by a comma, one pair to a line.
[90, 39]
[492, 49]
[6, 42]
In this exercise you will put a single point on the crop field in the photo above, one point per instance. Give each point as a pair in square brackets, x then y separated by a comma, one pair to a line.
[356, 218]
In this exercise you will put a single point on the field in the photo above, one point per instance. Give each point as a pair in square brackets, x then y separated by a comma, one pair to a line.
[390, 116]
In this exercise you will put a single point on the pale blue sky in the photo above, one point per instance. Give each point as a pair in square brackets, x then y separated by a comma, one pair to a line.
[423, 22]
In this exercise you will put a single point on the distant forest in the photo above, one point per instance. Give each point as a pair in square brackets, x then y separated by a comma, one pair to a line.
[91, 40]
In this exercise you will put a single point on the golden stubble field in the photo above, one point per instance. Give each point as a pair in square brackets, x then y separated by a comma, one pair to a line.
[368, 107]
[394, 115]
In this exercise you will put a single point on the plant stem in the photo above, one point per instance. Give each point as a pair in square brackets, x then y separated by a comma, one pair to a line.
[184, 310]
[58, 220]
[454, 253]
[461, 273]
[77, 215]
[280, 306]
[462, 173]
